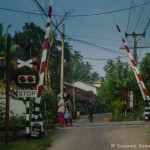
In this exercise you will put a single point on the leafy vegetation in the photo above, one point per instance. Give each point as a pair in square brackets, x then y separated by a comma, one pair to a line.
[49, 107]
[31, 39]
[32, 144]
[119, 77]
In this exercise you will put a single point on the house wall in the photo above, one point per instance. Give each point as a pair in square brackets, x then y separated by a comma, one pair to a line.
[16, 106]
[85, 86]
[98, 85]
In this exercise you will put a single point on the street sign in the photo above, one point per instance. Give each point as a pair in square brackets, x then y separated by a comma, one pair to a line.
[36, 129]
[27, 93]
[131, 100]
[25, 63]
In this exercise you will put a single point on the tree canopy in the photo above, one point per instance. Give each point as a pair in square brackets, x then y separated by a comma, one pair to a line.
[32, 37]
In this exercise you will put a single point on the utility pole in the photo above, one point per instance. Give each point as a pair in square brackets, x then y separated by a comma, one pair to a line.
[62, 65]
[7, 91]
[135, 44]
[74, 106]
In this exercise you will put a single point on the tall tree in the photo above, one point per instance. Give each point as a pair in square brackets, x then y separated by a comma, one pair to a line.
[115, 79]
[31, 37]
[145, 70]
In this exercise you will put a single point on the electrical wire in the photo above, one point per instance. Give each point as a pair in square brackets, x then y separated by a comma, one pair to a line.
[144, 30]
[69, 38]
[104, 58]
[91, 44]
[139, 16]
[62, 7]
[130, 10]
[92, 37]
[114, 11]
[76, 40]
[81, 15]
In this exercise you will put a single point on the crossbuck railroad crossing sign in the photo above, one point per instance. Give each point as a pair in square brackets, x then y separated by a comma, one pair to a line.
[26, 78]
[25, 63]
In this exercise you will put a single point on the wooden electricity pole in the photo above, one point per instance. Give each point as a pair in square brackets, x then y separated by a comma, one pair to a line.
[7, 91]
[62, 65]
[74, 104]
[135, 44]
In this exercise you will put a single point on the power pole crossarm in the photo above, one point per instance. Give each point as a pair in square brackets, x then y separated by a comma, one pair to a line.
[134, 35]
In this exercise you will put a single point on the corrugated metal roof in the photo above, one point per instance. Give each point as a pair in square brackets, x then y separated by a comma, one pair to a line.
[83, 95]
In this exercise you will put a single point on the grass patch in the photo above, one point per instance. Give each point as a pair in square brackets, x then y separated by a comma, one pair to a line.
[40, 143]
[148, 130]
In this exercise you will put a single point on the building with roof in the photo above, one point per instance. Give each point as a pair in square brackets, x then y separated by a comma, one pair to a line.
[86, 86]
[84, 93]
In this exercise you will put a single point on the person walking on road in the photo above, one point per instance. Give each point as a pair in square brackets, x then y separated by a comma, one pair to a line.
[61, 111]
[90, 111]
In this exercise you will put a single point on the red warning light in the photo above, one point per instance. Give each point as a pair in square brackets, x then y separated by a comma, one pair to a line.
[30, 79]
[22, 79]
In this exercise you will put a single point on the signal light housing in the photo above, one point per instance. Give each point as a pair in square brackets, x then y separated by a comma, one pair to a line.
[27, 79]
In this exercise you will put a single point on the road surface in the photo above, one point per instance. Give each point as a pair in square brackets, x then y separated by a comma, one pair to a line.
[102, 135]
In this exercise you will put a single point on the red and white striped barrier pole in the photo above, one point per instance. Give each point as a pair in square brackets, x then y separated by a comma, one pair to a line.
[36, 116]
[138, 77]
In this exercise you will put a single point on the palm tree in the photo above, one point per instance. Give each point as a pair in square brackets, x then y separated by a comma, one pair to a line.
[2, 33]
[1, 29]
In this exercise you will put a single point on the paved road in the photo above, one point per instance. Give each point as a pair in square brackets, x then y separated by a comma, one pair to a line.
[102, 135]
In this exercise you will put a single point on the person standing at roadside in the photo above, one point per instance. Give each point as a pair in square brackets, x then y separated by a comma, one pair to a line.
[61, 111]
[70, 109]
[66, 115]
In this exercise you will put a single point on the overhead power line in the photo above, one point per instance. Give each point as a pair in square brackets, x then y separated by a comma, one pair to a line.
[104, 58]
[76, 40]
[91, 44]
[20, 11]
[113, 11]
[69, 38]
[80, 15]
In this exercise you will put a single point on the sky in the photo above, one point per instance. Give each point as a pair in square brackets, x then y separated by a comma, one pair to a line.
[99, 29]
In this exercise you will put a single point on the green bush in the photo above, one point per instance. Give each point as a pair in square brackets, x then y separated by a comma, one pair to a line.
[16, 120]
[2, 113]
[49, 113]
[74, 114]
[119, 117]
[132, 114]
[118, 110]
[81, 108]
[49, 106]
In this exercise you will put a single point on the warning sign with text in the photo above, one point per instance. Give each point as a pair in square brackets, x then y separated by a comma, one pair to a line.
[27, 93]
